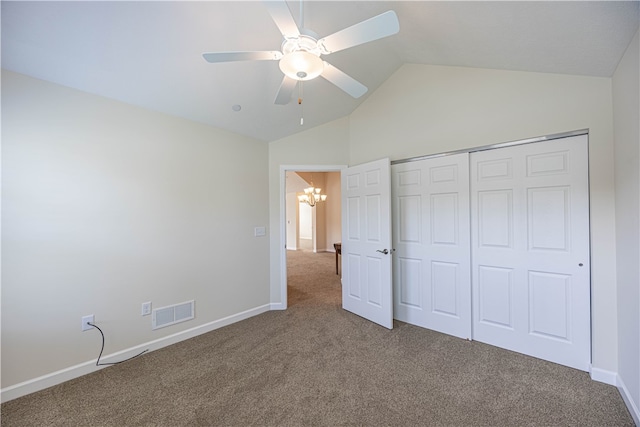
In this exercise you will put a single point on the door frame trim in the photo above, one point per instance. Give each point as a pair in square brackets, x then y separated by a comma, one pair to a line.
[494, 146]
[283, 218]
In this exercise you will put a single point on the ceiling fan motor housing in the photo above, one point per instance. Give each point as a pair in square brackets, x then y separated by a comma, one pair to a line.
[301, 58]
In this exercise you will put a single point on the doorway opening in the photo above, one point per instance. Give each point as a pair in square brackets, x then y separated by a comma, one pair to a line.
[306, 229]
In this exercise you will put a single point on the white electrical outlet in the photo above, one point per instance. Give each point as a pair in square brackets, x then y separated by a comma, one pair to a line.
[146, 308]
[85, 320]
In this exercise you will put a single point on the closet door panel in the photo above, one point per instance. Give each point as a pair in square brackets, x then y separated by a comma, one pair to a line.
[430, 206]
[530, 249]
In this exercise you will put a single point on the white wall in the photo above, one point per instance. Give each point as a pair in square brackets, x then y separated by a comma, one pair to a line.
[294, 186]
[305, 223]
[626, 109]
[105, 206]
[326, 215]
[319, 228]
[426, 109]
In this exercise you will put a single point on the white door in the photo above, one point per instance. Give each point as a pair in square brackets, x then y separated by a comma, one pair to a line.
[530, 249]
[431, 271]
[366, 242]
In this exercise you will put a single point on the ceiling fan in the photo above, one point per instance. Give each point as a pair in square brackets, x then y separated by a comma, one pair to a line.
[299, 58]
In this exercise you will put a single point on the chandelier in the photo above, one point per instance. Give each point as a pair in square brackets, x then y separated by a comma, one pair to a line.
[312, 196]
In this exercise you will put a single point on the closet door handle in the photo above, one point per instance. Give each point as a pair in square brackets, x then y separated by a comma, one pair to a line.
[384, 251]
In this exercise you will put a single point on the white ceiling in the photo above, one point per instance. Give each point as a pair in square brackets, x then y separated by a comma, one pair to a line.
[149, 53]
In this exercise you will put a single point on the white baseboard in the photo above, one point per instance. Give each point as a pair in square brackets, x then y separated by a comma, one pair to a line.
[604, 376]
[631, 405]
[278, 306]
[612, 378]
[58, 377]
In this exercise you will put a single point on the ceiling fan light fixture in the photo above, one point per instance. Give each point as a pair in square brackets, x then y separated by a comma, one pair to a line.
[301, 65]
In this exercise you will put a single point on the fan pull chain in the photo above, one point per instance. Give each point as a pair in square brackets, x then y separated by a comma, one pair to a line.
[300, 92]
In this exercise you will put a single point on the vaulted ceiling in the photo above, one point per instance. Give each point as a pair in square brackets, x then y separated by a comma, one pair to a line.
[149, 53]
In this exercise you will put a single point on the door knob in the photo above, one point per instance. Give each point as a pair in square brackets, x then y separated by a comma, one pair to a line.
[384, 251]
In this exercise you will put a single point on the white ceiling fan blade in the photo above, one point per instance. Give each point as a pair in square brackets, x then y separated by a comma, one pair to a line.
[372, 29]
[343, 81]
[287, 87]
[214, 57]
[281, 15]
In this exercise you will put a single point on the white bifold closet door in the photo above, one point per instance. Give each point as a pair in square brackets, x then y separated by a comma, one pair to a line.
[430, 205]
[530, 249]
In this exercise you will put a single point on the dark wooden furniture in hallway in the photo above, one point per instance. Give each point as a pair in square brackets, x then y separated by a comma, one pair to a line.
[338, 248]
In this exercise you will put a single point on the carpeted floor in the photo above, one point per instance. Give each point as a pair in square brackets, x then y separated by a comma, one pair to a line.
[317, 365]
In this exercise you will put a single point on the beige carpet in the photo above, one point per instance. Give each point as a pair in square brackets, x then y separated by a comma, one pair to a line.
[317, 365]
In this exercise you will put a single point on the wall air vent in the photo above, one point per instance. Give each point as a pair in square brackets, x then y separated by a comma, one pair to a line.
[172, 314]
